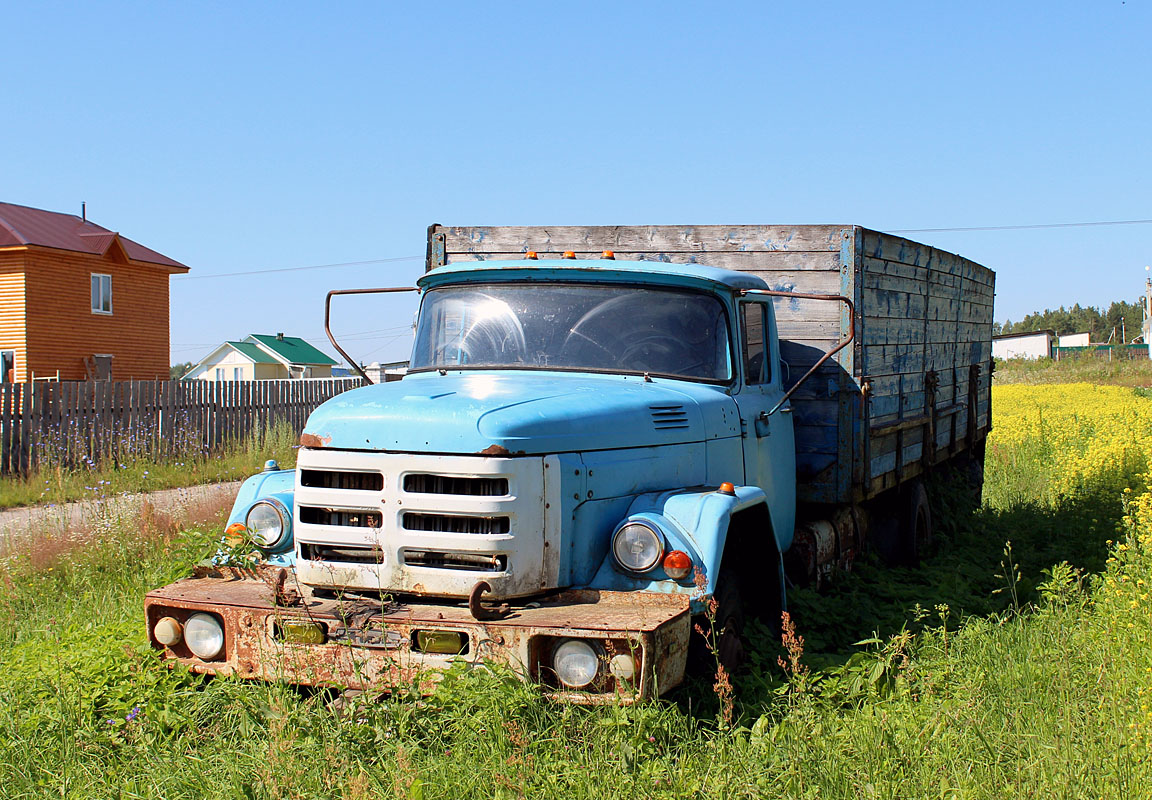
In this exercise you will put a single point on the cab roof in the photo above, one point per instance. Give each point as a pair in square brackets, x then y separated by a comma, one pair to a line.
[569, 269]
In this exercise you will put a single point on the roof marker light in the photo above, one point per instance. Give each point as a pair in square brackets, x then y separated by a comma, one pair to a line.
[531, 255]
[727, 488]
[608, 254]
[569, 254]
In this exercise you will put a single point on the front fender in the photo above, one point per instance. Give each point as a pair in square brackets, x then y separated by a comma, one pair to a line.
[279, 485]
[693, 521]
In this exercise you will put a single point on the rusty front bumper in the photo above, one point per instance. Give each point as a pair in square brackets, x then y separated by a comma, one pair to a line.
[381, 644]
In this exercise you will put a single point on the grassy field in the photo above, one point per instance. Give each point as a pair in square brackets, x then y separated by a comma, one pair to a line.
[1016, 662]
[1076, 369]
[95, 481]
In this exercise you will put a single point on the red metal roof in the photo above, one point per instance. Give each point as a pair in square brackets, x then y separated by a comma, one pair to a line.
[21, 225]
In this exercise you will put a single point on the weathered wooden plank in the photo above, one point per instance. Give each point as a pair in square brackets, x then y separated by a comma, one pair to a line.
[804, 262]
[878, 281]
[886, 303]
[647, 239]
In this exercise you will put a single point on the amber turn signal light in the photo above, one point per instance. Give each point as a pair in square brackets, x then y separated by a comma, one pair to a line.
[677, 565]
[235, 534]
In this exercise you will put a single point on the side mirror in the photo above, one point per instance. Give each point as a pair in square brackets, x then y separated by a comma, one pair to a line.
[840, 346]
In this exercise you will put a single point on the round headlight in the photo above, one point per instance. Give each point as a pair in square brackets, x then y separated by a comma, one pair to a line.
[204, 635]
[637, 547]
[576, 663]
[168, 631]
[266, 523]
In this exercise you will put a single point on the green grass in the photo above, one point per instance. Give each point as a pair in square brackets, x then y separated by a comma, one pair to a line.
[995, 674]
[55, 484]
[1075, 369]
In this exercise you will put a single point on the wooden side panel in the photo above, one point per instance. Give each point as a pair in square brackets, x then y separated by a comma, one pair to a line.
[62, 329]
[12, 311]
[928, 321]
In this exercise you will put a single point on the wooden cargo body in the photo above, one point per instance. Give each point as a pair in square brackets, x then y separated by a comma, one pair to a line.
[914, 389]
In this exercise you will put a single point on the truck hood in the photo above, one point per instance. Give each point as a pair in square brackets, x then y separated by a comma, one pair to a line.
[521, 413]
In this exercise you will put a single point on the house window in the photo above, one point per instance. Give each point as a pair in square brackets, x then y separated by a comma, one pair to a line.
[101, 293]
[237, 373]
[7, 366]
[219, 373]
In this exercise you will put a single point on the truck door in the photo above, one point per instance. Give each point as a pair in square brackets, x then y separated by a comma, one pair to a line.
[769, 443]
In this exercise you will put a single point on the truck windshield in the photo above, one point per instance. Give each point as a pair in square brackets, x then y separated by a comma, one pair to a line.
[588, 327]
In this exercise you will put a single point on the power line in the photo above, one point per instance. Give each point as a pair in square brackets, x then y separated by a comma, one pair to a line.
[1026, 227]
[298, 269]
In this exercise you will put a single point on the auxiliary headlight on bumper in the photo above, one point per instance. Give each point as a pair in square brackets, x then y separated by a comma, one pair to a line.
[576, 663]
[204, 635]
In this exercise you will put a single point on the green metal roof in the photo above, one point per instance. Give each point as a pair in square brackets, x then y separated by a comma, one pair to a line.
[292, 349]
[253, 352]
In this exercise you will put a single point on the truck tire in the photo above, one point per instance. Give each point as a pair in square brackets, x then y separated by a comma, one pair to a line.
[728, 640]
[915, 524]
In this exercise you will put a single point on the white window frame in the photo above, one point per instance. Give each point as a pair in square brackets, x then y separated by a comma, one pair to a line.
[97, 293]
[219, 373]
[238, 373]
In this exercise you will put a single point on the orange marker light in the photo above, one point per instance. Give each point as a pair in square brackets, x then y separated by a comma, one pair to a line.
[569, 254]
[608, 254]
[235, 533]
[531, 255]
[727, 488]
[677, 565]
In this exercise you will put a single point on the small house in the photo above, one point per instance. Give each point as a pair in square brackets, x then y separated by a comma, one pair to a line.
[1032, 344]
[1075, 340]
[78, 301]
[262, 357]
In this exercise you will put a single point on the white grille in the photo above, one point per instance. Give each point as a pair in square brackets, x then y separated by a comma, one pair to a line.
[452, 514]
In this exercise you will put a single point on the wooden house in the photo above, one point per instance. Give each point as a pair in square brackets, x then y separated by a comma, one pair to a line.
[262, 357]
[78, 301]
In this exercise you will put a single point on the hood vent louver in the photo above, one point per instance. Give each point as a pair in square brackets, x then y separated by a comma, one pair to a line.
[669, 417]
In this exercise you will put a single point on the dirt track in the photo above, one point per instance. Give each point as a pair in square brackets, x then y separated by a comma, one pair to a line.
[81, 514]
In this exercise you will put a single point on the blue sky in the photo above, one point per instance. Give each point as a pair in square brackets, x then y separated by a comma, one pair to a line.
[238, 136]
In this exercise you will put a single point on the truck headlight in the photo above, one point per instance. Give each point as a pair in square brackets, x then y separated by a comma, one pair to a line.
[576, 663]
[204, 635]
[268, 524]
[637, 547]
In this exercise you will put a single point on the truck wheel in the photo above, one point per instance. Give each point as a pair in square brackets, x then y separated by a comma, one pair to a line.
[915, 525]
[726, 647]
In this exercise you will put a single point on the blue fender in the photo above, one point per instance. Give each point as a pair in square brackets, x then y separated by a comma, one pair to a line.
[695, 522]
[277, 486]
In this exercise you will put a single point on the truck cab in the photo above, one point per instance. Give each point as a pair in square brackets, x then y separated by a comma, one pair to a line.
[559, 426]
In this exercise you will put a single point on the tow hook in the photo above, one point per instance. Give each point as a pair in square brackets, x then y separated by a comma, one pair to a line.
[480, 611]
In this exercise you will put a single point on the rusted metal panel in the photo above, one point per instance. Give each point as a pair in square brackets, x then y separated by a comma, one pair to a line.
[370, 643]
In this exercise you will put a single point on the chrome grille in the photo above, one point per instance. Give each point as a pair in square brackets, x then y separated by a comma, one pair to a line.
[444, 523]
[422, 483]
[332, 479]
[469, 562]
[342, 554]
[348, 518]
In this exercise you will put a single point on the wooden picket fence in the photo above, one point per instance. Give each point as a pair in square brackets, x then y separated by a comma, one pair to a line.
[71, 423]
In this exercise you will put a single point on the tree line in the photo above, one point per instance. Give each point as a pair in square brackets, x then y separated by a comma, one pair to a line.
[1121, 319]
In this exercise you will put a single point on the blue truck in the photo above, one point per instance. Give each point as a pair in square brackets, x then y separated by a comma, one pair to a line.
[602, 430]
